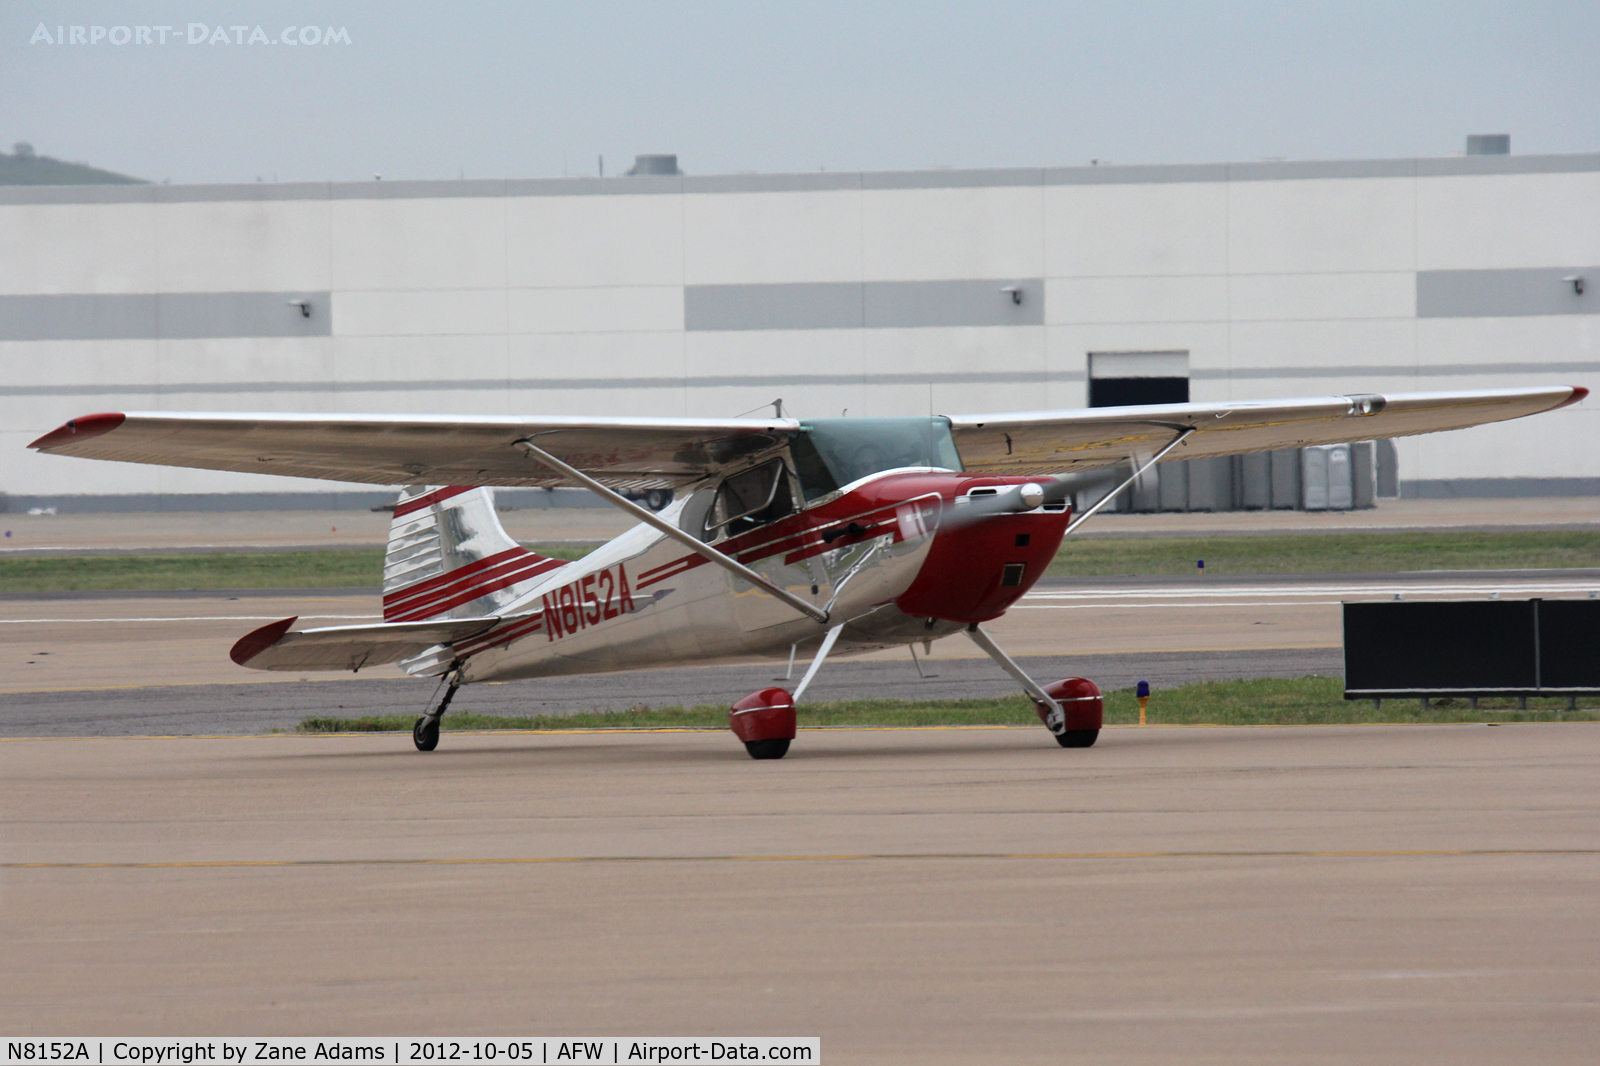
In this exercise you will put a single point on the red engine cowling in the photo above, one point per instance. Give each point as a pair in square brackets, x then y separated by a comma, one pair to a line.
[976, 569]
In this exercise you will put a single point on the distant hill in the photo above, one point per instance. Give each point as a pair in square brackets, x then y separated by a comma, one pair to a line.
[24, 167]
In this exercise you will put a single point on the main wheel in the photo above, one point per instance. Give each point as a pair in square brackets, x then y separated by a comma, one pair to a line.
[1078, 738]
[767, 749]
[425, 734]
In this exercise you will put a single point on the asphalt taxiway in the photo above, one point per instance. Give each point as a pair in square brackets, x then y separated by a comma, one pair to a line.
[1285, 895]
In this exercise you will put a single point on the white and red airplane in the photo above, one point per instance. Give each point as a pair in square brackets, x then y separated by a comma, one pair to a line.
[830, 536]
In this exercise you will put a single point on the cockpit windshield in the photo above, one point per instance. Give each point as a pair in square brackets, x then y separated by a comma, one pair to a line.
[832, 452]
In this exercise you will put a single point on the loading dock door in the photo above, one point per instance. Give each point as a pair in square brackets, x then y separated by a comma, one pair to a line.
[1124, 379]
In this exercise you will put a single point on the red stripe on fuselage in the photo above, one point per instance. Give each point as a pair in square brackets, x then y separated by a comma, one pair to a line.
[467, 591]
[424, 502]
[447, 585]
[451, 576]
[504, 635]
[795, 544]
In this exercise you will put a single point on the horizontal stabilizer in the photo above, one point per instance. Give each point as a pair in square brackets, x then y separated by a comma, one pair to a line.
[274, 647]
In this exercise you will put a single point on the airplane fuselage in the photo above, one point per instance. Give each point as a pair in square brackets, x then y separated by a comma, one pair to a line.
[898, 557]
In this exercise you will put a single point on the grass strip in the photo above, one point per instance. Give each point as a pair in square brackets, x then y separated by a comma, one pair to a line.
[1263, 701]
[1323, 553]
[314, 569]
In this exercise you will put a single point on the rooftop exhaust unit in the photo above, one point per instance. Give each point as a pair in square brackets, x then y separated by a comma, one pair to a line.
[654, 164]
[1488, 144]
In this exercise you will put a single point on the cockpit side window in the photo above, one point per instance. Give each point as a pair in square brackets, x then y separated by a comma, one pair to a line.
[752, 498]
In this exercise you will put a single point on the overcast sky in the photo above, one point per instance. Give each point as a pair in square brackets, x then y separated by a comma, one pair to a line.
[436, 90]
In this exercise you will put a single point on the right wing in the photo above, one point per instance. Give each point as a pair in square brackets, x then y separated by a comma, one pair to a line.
[1060, 442]
[274, 647]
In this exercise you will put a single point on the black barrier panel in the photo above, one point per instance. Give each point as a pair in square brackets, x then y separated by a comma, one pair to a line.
[1439, 646]
[1569, 643]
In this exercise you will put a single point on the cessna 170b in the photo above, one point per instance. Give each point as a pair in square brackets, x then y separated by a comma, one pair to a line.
[831, 536]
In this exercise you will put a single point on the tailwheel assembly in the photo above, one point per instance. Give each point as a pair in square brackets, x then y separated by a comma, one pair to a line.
[765, 721]
[425, 734]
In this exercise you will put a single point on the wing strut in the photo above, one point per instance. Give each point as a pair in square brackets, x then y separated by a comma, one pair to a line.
[1108, 497]
[694, 544]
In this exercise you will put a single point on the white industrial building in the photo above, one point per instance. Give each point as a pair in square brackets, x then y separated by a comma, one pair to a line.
[940, 291]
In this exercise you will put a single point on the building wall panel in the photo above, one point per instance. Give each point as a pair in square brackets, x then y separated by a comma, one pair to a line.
[593, 241]
[767, 238]
[1137, 299]
[935, 234]
[419, 244]
[1499, 221]
[1292, 227]
[611, 309]
[221, 246]
[1143, 230]
[1318, 296]
[423, 312]
[79, 248]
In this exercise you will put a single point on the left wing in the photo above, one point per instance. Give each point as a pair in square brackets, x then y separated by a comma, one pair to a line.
[407, 450]
[1058, 442]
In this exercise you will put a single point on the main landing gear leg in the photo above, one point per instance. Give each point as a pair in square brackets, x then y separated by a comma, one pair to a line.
[425, 734]
[1071, 708]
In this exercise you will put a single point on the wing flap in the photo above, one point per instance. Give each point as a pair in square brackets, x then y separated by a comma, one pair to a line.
[275, 647]
[1055, 442]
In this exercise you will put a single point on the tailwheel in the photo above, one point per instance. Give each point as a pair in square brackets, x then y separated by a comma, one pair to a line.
[425, 734]
[767, 749]
[765, 721]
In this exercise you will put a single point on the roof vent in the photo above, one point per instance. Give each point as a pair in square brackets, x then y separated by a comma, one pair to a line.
[1485, 144]
[655, 164]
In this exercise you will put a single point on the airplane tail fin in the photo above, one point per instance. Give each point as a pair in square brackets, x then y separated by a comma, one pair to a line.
[449, 557]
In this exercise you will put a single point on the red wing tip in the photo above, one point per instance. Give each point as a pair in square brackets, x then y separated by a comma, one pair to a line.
[257, 641]
[1578, 394]
[78, 429]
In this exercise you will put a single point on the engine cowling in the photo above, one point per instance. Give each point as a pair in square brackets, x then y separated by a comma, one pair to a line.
[978, 567]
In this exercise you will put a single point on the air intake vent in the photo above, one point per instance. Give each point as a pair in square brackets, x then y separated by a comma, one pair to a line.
[1478, 144]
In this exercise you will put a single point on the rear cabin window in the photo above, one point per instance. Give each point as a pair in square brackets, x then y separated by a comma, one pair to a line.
[752, 498]
[830, 453]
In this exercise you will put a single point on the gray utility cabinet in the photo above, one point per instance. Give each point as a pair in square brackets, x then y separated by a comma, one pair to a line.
[1329, 477]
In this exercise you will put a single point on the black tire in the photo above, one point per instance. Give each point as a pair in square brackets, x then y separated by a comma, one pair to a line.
[656, 499]
[425, 734]
[1078, 738]
[767, 749]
